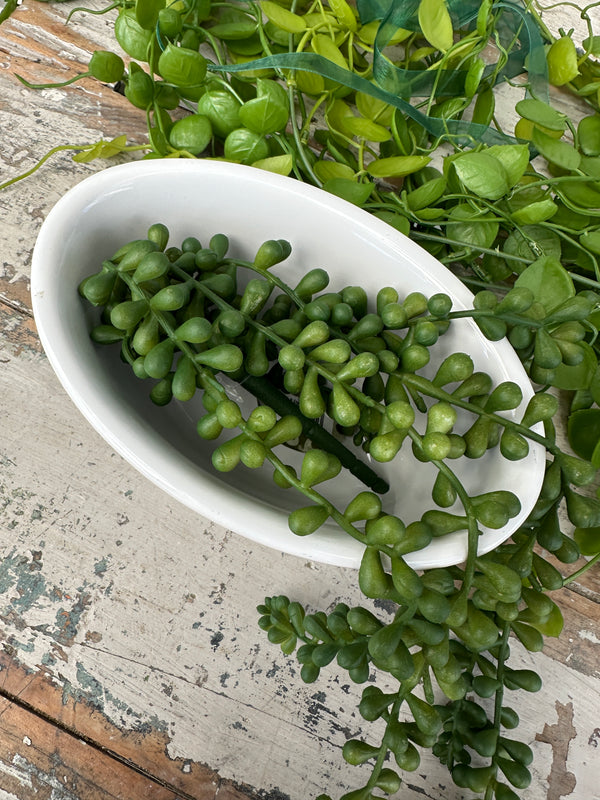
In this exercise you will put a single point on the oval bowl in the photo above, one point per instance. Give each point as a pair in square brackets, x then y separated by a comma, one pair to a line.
[204, 197]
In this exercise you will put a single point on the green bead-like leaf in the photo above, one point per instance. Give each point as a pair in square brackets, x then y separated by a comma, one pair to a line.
[306, 520]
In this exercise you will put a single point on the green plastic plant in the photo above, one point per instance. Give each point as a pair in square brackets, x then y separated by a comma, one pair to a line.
[309, 355]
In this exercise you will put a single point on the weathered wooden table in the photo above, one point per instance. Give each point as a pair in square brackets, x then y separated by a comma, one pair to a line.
[131, 665]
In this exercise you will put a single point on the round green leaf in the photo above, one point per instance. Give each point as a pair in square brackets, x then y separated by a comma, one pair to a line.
[468, 226]
[482, 174]
[263, 115]
[548, 280]
[591, 241]
[282, 18]
[588, 135]
[192, 134]
[519, 243]
[182, 66]
[350, 190]
[337, 116]
[222, 109]
[326, 170]
[282, 165]
[562, 61]
[436, 23]
[374, 109]
[541, 114]
[245, 146]
[535, 213]
[426, 194]
[131, 36]
[268, 111]
[239, 29]
[592, 44]
[591, 166]
[344, 14]
[324, 46]
[367, 129]
[513, 157]
[580, 197]
[146, 13]
[560, 153]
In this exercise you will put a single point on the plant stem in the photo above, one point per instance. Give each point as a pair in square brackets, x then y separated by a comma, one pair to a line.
[582, 570]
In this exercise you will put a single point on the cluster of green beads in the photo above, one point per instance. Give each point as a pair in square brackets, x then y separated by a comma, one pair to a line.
[183, 315]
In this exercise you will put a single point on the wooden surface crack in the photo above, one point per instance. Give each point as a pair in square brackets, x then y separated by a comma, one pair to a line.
[15, 700]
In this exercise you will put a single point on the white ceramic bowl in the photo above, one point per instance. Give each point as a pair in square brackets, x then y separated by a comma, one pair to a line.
[201, 198]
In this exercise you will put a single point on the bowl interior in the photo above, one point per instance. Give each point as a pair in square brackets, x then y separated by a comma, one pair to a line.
[202, 198]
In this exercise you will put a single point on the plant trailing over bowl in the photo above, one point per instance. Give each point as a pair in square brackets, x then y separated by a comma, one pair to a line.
[391, 106]
[184, 315]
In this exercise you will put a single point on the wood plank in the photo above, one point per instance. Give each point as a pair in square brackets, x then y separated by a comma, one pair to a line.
[40, 47]
[45, 733]
[39, 761]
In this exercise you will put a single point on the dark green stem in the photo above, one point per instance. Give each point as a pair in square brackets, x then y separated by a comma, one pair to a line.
[268, 394]
[578, 573]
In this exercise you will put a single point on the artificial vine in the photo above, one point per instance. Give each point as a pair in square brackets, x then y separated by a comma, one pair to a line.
[184, 315]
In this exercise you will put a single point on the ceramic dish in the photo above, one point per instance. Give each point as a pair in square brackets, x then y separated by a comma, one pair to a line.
[201, 198]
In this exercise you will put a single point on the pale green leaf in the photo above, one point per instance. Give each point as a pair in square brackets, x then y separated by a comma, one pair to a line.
[397, 166]
[436, 23]
[368, 130]
[282, 17]
[326, 170]
[542, 114]
[513, 157]
[548, 280]
[282, 165]
[563, 154]
[534, 213]
[482, 174]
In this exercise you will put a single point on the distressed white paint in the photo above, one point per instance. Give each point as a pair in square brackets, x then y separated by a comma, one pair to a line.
[590, 636]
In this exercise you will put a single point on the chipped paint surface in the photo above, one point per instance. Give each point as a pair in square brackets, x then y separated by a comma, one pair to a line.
[590, 636]
[157, 632]
[559, 736]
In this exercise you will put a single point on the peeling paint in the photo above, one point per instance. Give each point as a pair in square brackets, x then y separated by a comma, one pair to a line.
[17, 575]
[88, 689]
[561, 781]
[101, 565]
[589, 636]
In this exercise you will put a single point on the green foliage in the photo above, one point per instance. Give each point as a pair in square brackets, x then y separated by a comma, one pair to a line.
[179, 323]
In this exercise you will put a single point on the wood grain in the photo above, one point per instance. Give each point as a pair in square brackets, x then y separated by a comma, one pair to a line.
[96, 758]
[38, 760]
